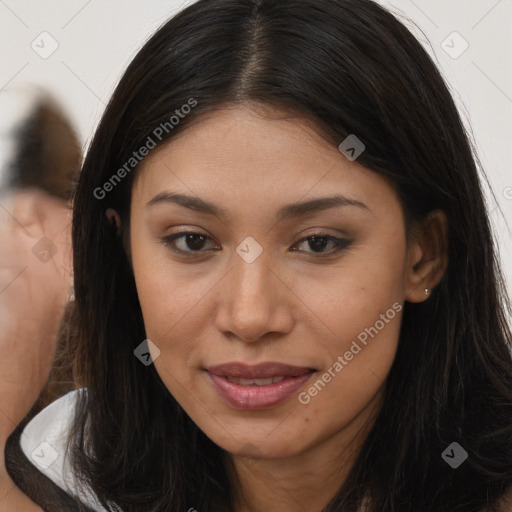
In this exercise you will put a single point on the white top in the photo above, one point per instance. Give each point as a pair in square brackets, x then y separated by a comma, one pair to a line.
[44, 443]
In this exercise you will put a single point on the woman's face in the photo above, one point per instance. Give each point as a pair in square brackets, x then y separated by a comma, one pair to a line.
[278, 283]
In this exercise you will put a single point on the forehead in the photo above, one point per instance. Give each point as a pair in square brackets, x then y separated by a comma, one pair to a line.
[256, 156]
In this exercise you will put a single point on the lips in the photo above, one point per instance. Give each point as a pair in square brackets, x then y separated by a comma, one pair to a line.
[246, 387]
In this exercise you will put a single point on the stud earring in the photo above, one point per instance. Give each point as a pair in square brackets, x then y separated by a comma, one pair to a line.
[427, 291]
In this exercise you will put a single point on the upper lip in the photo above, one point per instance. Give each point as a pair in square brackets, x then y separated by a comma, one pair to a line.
[258, 371]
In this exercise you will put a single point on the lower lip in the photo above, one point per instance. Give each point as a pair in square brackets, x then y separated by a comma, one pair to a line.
[257, 397]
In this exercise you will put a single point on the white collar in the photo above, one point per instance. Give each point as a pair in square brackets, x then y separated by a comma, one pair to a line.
[44, 443]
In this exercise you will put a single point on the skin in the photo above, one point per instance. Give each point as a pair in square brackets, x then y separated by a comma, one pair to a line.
[33, 295]
[287, 306]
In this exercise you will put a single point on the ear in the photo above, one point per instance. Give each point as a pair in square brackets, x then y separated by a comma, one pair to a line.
[113, 217]
[43, 216]
[427, 257]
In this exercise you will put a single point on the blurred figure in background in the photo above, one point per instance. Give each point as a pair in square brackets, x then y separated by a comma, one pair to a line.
[40, 156]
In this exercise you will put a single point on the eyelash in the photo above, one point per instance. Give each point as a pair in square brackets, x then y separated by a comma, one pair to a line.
[341, 244]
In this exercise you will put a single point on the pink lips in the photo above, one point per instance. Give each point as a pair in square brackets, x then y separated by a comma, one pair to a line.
[233, 382]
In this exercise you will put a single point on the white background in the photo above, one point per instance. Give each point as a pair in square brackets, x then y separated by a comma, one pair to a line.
[98, 38]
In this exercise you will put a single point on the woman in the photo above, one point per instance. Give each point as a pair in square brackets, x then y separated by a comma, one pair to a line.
[287, 291]
[39, 158]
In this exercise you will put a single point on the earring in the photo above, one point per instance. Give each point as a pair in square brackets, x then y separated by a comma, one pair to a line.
[427, 291]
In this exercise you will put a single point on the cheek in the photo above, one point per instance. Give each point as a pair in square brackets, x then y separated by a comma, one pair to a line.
[170, 306]
[173, 302]
[357, 352]
[352, 296]
[169, 312]
[164, 294]
[360, 315]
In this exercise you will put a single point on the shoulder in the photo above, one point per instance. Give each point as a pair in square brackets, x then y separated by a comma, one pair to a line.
[36, 457]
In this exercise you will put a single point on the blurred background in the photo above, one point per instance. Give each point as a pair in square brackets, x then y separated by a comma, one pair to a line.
[77, 50]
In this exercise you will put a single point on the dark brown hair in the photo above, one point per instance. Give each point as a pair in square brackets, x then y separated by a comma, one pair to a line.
[352, 68]
[47, 153]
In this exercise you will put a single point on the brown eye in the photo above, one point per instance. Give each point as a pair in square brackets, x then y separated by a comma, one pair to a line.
[186, 242]
[319, 242]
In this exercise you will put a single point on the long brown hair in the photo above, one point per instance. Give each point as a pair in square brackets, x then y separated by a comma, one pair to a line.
[352, 68]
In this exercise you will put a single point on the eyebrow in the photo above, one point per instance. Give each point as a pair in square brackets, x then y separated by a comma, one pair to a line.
[286, 212]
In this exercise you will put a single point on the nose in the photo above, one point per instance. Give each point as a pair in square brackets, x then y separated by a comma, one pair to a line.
[254, 301]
